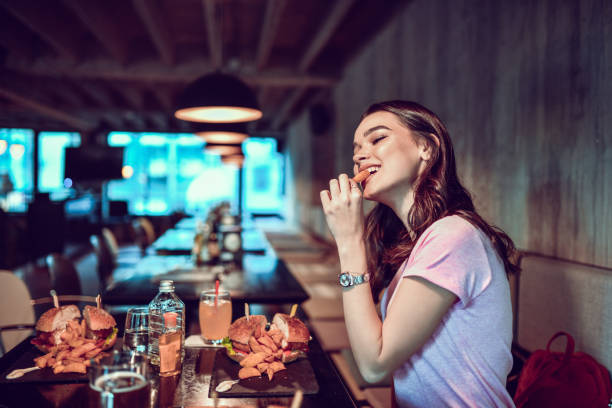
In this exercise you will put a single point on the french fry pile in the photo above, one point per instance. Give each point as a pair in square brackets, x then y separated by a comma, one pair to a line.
[74, 353]
[265, 356]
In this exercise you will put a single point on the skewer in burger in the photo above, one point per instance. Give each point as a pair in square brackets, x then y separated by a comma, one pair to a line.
[52, 324]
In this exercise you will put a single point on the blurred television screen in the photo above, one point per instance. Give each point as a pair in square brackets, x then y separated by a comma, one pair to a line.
[89, 164]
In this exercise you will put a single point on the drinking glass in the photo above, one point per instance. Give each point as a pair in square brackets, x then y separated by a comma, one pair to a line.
[215, 315]
[121, 379]
[136, 335]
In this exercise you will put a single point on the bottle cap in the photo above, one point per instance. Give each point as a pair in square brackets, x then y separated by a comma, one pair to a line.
[166, 285]
[170, 319]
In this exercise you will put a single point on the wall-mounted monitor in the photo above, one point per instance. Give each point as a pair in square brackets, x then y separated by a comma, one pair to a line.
[92, 164]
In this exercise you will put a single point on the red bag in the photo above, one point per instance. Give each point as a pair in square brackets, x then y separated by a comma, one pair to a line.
[551, 379]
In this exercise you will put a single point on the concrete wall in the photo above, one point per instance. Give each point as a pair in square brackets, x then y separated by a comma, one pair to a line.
[524, 88]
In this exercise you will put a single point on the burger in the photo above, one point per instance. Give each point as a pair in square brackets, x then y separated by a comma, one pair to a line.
[241, 330]
[294, 342]
[286, 339]
[52, 324]
[101, 326]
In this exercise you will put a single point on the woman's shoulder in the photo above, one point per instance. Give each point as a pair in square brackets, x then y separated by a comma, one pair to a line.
[453, 225]
[449, 232]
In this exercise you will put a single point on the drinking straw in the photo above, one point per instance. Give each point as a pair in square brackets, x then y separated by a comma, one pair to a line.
[55, 299]
[297, 399]
[216, 291]
[293, 310]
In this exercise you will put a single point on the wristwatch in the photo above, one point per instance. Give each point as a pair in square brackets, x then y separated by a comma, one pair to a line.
[346, 279]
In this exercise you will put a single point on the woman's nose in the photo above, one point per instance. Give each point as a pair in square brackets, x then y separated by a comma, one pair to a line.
[360, 155]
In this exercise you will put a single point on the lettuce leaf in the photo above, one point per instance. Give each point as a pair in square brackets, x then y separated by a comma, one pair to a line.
[227, 343]
[110, 336]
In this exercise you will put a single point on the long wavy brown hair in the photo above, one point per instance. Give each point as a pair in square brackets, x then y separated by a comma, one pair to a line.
[437, 193]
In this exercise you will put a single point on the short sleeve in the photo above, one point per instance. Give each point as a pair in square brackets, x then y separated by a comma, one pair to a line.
[451, 254]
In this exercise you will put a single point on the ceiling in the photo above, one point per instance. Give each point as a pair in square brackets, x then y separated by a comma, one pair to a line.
[88, 65]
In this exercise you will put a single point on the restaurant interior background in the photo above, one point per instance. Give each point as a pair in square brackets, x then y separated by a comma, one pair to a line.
[523, 87]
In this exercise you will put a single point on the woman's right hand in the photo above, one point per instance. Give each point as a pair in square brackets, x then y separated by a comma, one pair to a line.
[343, 208]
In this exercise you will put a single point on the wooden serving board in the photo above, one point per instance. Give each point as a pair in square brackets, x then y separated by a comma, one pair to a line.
[298, 375]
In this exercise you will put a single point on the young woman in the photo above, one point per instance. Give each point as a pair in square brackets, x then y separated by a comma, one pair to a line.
[447, 319]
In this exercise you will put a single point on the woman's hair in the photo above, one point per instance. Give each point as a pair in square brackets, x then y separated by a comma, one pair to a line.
[438, 193]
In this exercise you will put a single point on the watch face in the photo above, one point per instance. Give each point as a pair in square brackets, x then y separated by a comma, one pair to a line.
[345, 279]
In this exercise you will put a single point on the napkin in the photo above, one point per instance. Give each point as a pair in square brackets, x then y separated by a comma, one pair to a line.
[195, 340]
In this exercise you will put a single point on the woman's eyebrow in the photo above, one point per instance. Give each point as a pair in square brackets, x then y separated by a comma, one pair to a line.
[374, 129]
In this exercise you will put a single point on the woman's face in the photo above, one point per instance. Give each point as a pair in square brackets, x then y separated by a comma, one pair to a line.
[395, 155]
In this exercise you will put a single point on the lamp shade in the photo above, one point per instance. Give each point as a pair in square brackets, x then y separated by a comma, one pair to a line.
[233, 160]
[221, 133]
[223, 149]
[217, 98]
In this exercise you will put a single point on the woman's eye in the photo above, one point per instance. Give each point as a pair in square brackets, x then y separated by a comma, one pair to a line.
[378, 139]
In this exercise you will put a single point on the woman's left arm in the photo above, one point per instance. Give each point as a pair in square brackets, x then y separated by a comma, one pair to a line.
[379, 348]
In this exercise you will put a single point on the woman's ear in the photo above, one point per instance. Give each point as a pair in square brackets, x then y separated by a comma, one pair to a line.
[426, 146]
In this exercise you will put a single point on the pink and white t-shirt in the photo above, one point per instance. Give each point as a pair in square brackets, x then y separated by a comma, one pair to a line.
[466, 362]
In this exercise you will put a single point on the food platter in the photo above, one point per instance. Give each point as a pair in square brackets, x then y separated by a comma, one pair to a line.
[23, 356]
[298, 375]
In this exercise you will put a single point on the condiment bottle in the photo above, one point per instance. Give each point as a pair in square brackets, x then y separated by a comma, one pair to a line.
[170, 346]
[162, 323]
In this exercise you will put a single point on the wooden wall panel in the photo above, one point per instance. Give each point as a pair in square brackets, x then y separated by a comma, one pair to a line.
[524, 89]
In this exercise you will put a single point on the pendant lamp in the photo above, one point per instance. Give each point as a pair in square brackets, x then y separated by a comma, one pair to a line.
[221, 133]
[217, 98]
[233, 160]
[223, 149]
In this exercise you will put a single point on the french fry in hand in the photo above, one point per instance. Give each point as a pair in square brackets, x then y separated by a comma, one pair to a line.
[362, 175]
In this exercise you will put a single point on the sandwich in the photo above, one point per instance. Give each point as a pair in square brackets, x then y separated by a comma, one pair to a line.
[295, 336]
[241, 330]
[101, 326]
[52, 324]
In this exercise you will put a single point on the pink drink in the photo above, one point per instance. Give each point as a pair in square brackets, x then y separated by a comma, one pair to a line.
[215, 319]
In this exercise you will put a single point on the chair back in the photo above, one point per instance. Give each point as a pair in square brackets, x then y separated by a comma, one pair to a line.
[42, 304]
[15, 309]
[105, 261]
[144, 231]
[63, 275]
[111, 242]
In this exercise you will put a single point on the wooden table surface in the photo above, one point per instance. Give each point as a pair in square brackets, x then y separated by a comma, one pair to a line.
[261, 279]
